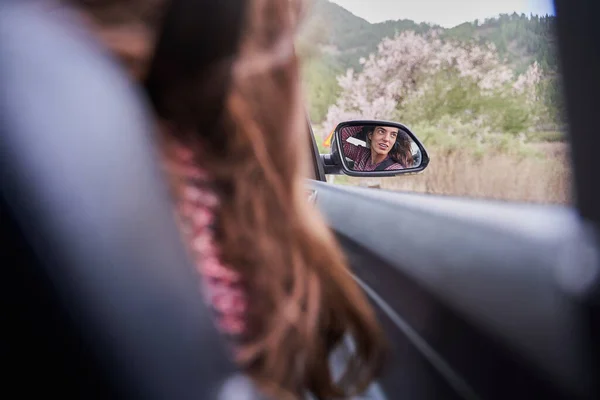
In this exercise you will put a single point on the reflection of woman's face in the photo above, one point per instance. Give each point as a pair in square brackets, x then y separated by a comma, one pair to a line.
[382, 139]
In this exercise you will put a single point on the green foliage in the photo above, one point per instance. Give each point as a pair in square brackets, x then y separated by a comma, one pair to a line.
[334, 40]
[320, 85]
[447, 95]
[450, 96]
[513, 117]
[451, 135]
[353, 37]
[551, 92]
[547, 136]
[520, 39]
[465, 31]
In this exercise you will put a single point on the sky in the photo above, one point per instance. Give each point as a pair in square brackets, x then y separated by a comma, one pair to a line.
[447, 13]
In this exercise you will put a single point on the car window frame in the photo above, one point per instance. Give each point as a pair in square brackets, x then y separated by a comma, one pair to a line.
[317, 172]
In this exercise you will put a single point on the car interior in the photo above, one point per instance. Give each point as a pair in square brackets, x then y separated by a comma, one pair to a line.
[100, 299]
[87, 310]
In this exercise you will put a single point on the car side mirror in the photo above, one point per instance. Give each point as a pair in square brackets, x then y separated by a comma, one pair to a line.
[377, 148]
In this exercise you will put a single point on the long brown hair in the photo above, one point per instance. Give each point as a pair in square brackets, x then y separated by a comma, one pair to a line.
[401, 151]
[234, 98]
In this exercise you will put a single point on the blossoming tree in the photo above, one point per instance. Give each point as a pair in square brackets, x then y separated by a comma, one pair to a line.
[415, 78]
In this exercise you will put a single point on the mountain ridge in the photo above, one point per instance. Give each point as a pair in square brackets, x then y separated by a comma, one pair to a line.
[333, 40]
[349, 37]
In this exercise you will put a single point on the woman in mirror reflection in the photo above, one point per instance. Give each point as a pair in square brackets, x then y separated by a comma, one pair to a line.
[387, 148]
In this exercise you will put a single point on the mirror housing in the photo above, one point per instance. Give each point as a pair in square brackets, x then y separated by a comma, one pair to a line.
[396, 149]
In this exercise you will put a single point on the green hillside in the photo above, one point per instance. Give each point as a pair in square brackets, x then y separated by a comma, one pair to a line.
[333, 40]
[521, 39]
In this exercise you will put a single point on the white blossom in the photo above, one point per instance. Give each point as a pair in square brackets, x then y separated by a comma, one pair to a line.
[403, 69]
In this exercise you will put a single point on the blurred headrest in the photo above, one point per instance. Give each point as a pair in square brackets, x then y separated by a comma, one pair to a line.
[81, 181]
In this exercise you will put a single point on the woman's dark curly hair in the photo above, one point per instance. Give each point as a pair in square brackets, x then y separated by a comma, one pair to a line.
[401, 150]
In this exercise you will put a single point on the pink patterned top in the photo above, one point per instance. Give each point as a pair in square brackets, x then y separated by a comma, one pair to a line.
[222, 286]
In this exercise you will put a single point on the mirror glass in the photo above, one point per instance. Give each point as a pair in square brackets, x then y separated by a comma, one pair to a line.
[378, 148]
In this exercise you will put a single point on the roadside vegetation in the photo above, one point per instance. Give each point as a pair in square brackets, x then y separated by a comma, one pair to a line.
[483, 98]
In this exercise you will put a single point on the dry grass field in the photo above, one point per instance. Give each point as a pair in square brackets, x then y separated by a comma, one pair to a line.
[543, 178]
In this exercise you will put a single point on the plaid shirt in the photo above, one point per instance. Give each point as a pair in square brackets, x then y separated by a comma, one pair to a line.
[361, 155]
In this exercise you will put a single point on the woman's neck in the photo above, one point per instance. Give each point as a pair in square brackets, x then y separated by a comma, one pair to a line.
[377, 158]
